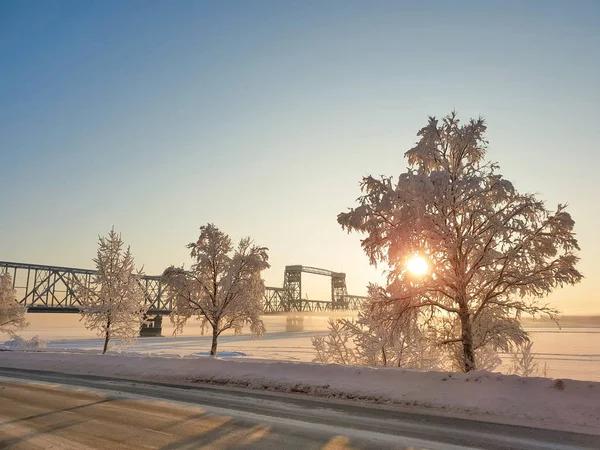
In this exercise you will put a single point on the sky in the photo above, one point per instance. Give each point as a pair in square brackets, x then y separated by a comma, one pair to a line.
[261, 117]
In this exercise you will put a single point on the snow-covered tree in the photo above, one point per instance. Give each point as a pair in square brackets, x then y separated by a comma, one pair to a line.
[491, 251]
[524, 362]
[223, 288]
[337, 347]
[113, 303]
[12, 314]
[369, 340]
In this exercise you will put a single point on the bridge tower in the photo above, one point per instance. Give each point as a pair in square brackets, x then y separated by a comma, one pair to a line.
[338, 290]
[292, 282]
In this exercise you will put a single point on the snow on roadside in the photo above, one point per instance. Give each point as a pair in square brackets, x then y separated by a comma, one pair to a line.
[17, 342]
[547, 402]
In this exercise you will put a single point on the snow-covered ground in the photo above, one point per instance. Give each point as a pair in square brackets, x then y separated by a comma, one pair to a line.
[279, 362]
[564, 404]
[277, 346]
[573, 352]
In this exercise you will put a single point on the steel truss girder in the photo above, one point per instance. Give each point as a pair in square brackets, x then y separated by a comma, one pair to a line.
[49, 289]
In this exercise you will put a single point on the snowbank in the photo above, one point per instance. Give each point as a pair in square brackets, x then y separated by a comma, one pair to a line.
[559, 403]
[17, 342]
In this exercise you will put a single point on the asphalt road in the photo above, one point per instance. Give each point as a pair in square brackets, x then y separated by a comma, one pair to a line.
[40, 410]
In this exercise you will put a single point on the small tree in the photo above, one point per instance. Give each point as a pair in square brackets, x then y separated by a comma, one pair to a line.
[337, 347]
[12, 314]
[491, 250]
[372, 340]
[524, 362]
[223, 288]
[113, 304]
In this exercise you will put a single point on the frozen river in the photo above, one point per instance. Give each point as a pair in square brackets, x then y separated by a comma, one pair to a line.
[570, 352]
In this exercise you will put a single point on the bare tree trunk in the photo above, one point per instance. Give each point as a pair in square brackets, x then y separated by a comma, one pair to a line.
[106, 336]
[467, 340]
[213, 348]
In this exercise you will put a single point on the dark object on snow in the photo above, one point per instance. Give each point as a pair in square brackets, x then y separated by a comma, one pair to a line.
[153, 328]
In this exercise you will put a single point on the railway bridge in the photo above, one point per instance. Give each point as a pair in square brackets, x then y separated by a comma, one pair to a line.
[43, 289]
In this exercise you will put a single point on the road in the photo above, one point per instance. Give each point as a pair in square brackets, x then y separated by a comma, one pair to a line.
[44, 410]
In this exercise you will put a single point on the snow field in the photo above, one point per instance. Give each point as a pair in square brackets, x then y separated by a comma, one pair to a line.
[563, 404]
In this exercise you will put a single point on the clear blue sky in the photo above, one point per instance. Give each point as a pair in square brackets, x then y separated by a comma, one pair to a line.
[157, 117]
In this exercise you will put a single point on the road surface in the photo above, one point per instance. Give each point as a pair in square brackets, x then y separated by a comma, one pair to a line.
[46, 410]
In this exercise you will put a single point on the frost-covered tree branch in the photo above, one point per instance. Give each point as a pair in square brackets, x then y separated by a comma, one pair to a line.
[524, 362]
[223, 287]
[373, 340]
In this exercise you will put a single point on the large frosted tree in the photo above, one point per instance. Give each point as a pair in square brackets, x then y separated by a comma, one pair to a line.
[113, 303]
[492, 251]
[223, 287]
[12, 314]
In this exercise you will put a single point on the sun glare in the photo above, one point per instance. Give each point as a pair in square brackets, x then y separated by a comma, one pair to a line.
[417, 265]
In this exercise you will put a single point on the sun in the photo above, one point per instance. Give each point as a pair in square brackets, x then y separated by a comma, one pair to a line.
[417, 265]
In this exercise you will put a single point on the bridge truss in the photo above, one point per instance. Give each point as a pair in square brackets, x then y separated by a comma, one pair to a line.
[50, 289]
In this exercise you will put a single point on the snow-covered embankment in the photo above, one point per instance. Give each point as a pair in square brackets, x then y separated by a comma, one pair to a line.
[484, 395]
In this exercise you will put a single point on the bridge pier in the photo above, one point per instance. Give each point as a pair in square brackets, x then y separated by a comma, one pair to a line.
[294, 323]
[153, 328]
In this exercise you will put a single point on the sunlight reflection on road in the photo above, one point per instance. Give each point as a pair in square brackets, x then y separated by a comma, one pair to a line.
[337, 443]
